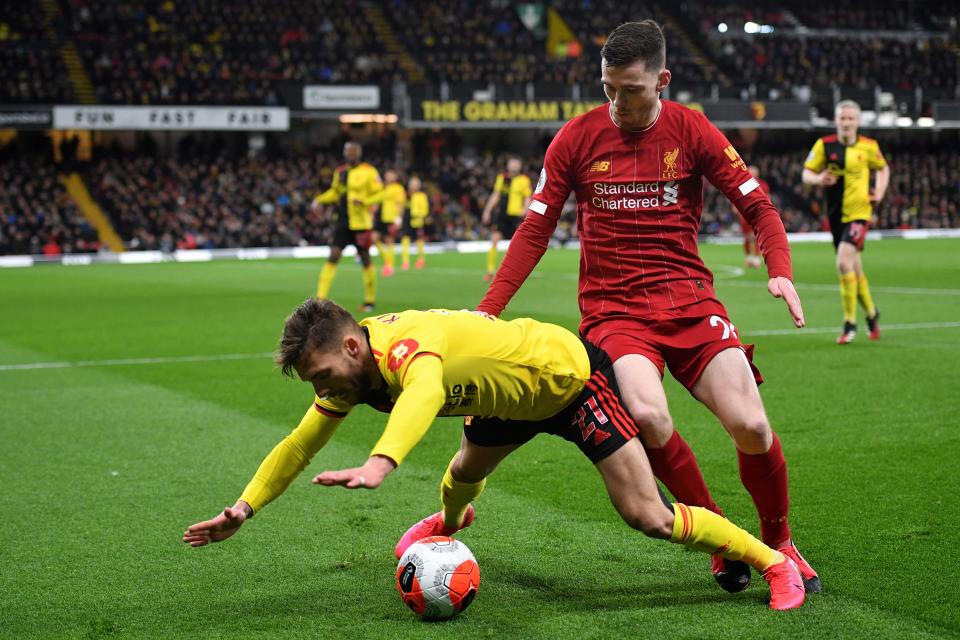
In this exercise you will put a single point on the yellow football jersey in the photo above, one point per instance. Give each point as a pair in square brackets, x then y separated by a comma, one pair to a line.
[350, 190]
[849, 199]
[516, 190]
[419, 209]
[392, 199]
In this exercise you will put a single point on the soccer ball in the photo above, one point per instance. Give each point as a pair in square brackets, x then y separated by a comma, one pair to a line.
[438, 577]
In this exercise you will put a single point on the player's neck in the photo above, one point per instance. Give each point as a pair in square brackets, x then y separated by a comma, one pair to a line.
[847, 141]
[646, 123]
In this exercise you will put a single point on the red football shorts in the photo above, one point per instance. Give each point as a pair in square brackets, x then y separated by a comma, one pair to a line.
[684, 339]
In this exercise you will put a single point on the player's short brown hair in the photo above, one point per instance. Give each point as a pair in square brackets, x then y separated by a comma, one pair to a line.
[316, 325]
[633, 41]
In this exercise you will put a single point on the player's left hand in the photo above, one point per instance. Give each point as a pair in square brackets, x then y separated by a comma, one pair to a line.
[781, 287]
[875, 197]
[369, 476]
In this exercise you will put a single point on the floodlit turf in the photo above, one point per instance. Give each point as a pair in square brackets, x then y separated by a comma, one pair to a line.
[105, 465]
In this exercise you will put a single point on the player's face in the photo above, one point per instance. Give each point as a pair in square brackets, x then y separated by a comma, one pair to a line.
[351, 152]
[513, 166]
[340, 373]
[848, 121]
[390, 177]
[633, 91]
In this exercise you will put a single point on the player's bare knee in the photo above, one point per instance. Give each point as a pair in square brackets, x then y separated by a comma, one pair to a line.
[752, 434]
[652, 519]
[649, 417]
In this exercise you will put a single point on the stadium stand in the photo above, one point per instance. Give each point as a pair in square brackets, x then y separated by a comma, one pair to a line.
[31, 67]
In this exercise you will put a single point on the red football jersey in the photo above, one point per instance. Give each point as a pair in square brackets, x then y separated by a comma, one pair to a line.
[639, 200]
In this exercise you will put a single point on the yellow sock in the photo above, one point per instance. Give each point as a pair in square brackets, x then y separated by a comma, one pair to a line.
[863, 295]
[703, 530]
[388, 254]
[327, 275]
[382, 250]
[405, 249]
[369, 284]
[848, 295]
[456, 496]
[420, 252]
[492, 258]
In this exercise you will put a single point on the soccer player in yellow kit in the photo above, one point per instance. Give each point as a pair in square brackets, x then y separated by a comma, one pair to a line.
[418, 208]
[842, 163]
[511, 197]
[515, 380]
[353, 183]
[392, 199]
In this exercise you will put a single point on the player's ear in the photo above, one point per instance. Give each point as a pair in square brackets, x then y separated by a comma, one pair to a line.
[351, 345]
[663, 80]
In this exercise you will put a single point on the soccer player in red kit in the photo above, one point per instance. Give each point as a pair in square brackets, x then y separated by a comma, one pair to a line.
[636, 166]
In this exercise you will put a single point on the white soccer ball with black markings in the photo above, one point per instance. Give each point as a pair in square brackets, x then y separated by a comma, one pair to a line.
[438, 577]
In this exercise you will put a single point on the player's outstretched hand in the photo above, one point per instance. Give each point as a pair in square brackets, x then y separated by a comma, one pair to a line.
[827, 179]
[216, 529]
[369, 476]
[781, 287]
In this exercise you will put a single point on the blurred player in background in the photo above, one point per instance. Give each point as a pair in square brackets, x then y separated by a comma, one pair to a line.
[518, 378]
[841, 163]
[751, 250]
[510, 198]
[353, 183]
[392, 200]
[637, 166]
[418, 208]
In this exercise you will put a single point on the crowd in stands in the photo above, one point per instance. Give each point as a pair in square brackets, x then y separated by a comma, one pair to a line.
[208, 201]
[31, 68]
[206, 52]
[37, 215]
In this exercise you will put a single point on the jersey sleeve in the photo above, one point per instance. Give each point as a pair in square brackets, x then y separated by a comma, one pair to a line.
[875, 160]
[498, 184]
[416, 408]
[817, 158]
[530, 241]
[332, 194]
[725, 169]
[291, 456]
[525, 190]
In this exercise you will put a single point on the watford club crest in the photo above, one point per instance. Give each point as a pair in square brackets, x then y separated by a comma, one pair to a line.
[670, 164]
[400, 351]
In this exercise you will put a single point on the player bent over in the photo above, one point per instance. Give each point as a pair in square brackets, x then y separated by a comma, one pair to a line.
[518, 378]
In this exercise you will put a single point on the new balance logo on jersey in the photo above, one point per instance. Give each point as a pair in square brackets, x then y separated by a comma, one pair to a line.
[600, 165]
[670, 192]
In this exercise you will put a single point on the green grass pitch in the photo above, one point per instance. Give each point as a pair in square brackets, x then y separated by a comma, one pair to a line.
[106, 459]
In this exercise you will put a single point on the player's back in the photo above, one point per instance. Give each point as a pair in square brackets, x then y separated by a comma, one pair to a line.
[521, 370]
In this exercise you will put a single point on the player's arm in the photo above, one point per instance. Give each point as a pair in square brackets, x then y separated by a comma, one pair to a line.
[744, 191]
[331, 195]
[814, 168]
[533, 235]
[276, 472]
[492, 200]
[416, 408]
[880, 187]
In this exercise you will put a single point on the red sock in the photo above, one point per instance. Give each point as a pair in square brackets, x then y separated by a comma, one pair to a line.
[765, 477]
[675, 466]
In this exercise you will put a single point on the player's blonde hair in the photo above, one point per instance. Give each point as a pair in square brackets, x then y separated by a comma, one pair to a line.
[846, 104]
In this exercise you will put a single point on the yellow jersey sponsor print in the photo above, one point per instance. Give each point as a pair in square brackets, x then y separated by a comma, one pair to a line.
[849, 199]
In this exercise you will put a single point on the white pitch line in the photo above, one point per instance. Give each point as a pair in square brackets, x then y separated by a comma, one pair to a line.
[131, 361]
[255, 356]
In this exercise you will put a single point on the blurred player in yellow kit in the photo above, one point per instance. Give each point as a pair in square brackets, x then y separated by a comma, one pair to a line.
[392, 200]
[510, 198]
[353, 183]
[418, 208]
[514, 380]
[842, 163]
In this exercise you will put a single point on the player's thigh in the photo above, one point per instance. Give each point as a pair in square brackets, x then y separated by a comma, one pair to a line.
[474, 462]
[728, 387]
[641, 391]
[633, 491]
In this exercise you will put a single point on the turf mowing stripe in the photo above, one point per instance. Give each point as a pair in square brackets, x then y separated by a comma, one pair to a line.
[254, 356]
[132, 361]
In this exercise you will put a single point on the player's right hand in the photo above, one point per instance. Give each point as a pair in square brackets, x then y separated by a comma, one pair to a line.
[216, 529]
[827, 179]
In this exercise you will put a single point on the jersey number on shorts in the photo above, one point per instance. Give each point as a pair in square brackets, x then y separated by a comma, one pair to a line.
[728, 328]
[586, 423]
